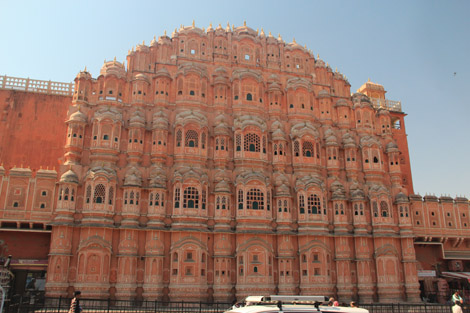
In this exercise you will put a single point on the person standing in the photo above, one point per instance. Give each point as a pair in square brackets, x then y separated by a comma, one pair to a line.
[75, 304]
[456, 297]
[457, 307]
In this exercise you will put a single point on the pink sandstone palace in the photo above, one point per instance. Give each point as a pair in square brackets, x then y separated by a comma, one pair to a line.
[216, 164]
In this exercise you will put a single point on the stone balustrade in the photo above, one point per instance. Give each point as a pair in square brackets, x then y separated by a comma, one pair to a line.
[34, 85]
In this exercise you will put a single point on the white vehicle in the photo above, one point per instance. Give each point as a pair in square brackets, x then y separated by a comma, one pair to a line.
[290, 304]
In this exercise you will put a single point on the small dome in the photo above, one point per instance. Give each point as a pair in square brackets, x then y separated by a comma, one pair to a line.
[323, 94]
[341, 103]
[78, 117]
[391, 147]
[283, 191]
[113, 68]
[401, 198]
[222, 186]
[83, 75]
[69, 177]
[160, 120]
[137, 119]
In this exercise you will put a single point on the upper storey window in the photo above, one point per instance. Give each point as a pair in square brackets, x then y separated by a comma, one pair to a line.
[254, 199]
[252, 142]
[191, 138]
[191, 198]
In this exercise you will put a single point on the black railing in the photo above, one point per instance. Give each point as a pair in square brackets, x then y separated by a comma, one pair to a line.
[62, 305]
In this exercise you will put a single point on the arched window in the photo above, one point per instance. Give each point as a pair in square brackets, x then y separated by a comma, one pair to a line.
[375, 209]
[203, 140]
[192, 138]
[240, 199]
[88, 194]
[98, 197]
[252, 142]
[254, 199]
[314, 204]
[111, 195]
[307, 149]
[249, 97]
[239, 142]
[178, 138]
[296, 148]
[66, 194]
[177, 198]
[301, 204]
[72, 197]
[384, 209]
[191, 198]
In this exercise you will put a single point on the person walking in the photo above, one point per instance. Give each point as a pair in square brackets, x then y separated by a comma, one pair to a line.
[75, 304]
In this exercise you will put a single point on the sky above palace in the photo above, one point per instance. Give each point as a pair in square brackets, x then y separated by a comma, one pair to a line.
[418, 50]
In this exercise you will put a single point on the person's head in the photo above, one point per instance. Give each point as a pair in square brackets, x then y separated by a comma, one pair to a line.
[77, 294]
[353, 304]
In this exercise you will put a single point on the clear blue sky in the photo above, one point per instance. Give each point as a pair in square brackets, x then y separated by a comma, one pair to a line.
[413, 48]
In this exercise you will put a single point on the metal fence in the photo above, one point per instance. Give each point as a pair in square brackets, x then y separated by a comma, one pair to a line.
[62, 305]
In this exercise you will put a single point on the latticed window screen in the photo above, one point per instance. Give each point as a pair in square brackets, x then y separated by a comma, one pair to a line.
[307, 149]
[111, 195]
[192, 138]
[239, 142]
[240, 199]
[296, 148]
[301, 204]
[218, 203]
[264, 144]
[268, 200]
[191, 198]
[279, 205]
[98, 197]
[254, 199]
[375, 209]
[72, 198]
[88, 194]
[131, 198]
[203, 199]
[66, 194]
[384, 209]
[179, 136]
[224, 203]
[251, 142]
[203, 140]
[177, 198]
[157, 199]
[151, 199]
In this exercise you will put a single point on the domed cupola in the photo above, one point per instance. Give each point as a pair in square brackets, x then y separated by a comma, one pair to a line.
[113, 68]
[69, 177]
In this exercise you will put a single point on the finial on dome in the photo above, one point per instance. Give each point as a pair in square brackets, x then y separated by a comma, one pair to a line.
[164, 33]
[257, 31]
[85, 69]
[368, 80]
[318, 56]
[143, 42]
[293, 40]
[244, 23]
[132, 48]
[154, 37]
[262, 32]
[279, 37]
[114, 60]
[210, 25]
[233, 27]
[336, 70]
[203, 29]
[305, 46]
[194, 24]
[270, 35]
[327, 65]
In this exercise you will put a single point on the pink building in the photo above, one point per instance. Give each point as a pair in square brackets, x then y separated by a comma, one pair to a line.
[223, 163]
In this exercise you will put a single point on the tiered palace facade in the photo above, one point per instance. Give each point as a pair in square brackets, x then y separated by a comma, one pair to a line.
[222, 163]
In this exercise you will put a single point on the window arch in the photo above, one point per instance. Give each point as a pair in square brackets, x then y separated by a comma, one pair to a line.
[307, 149]
[192, 139]
[252, 142]
[249, 97]
[179, 136]
[384, 209]
[314, 204]
[240, 199]
[255, 199]
[191, 198]
[99, 194]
